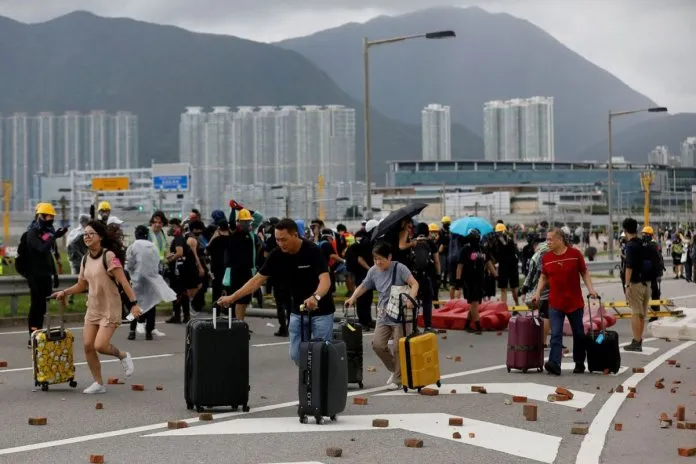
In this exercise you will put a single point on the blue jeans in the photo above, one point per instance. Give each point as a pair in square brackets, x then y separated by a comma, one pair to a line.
[322, 328]
[556, 319]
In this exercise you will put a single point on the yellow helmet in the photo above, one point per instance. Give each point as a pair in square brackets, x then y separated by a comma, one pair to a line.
[45, 208]
[433, 228]
[446, 220]
[244, 215]
[500, 228]
[648, 230]
[104, 206]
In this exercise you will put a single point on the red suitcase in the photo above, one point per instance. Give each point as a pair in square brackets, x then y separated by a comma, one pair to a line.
[525, 348]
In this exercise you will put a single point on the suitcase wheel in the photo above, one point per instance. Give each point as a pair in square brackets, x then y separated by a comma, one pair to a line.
[246, 408]
[438, 383]
[419, 389]
[72, 384]
[199, 409]
[405, 389]
[540, 369]
[509, 370]
[360, 384]
[524, 371]
[333, 418]
[44, 387]
[189, 406]
[319, 420]
[303, 419]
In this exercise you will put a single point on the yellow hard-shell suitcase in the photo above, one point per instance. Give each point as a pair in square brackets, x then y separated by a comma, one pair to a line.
[52, 355]
[419, 357]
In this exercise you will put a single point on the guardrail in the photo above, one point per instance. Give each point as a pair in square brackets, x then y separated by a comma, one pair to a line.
[16, 286]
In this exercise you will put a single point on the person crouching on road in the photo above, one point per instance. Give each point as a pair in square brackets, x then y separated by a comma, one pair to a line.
[143, 264]
[298, 266]
[381, 277]
[102, 273]
[560, 268]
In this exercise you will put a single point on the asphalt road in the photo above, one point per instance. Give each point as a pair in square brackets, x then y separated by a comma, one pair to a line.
[132, 427]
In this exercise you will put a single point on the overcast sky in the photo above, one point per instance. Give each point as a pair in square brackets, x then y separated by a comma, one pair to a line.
[649, 44]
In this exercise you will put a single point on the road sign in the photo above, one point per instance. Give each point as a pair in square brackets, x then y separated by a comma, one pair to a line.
[171, 183]
[110, 184]
[488, 435]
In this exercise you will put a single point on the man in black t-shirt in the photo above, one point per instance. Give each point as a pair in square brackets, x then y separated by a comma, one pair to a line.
[299, 266]
[185, 272]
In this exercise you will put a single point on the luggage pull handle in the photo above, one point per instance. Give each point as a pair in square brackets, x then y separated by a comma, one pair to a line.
[402, 312]
[52, 334]
[589, 309]
[345, 318]
[229, 317]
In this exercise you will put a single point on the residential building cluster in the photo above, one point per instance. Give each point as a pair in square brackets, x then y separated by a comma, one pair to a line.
[49, 144]
[686, 158]
[437, 137]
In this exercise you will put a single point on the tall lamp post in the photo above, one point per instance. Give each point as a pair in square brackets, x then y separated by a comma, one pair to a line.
[612, 115]
[366, 99]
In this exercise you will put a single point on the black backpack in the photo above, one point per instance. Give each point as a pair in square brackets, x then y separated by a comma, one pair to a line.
[421, 256]
[20, 261]
[651, 264]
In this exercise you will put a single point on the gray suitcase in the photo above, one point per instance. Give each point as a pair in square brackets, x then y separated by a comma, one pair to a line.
[323, 383]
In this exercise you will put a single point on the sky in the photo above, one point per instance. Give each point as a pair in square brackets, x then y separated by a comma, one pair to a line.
[649, 44]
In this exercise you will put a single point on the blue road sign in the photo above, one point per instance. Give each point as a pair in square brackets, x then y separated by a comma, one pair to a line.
[171, 183]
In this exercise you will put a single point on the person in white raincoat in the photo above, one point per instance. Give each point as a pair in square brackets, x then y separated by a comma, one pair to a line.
[143, 264]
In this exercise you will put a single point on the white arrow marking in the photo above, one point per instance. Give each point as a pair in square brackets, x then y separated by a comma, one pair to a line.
[533, 391]
[504, 439]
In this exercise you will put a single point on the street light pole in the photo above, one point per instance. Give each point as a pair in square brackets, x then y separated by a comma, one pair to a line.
[366, 99]
[613, 114]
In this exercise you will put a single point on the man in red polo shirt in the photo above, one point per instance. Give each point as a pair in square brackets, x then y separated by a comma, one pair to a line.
[560, 269]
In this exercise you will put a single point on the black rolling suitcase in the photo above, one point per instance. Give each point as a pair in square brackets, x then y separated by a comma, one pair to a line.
[323, 383]
[350, 331]
[217, 363]
[602, 347]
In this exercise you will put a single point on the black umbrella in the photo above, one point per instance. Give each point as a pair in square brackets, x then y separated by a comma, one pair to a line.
[393, 221]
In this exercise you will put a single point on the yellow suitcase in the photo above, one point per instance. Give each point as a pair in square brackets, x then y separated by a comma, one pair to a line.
[420, 361]
[52, 355]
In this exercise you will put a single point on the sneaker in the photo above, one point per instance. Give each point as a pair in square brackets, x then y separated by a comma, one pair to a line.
[140, 328]
[634, 346]
[390, 380]
[127, 364]
[393, 386]
[157, 333]
[131, 335]
[94, 389]
[579, 369]
[148, 336]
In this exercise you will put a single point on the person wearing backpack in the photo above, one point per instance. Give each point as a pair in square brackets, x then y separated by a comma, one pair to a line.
[656, 283]
[640, 269]
[425, 266]
[35, 263]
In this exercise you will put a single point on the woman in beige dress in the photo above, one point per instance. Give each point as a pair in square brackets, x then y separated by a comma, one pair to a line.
[101, 273]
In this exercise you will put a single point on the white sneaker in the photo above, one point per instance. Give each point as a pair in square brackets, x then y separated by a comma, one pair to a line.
[390, 380]
[157, 333]
[393, 386]
[140, 328]
[94, 389]
[127, 364]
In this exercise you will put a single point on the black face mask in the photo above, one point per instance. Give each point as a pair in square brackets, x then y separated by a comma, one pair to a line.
[46, 224]
[105, 217]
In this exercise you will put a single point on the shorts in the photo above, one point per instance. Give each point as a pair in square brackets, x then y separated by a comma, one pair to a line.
[638, 298]
[508, 278]
[239, 277]
[676, 259]
[488, 286]
[473, 291]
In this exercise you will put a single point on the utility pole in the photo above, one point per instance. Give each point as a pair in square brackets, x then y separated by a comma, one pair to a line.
[646, 180]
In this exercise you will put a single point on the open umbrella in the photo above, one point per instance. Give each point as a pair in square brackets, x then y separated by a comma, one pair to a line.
[393, 221]
[464, 225]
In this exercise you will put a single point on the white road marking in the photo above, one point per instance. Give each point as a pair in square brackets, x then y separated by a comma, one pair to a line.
[516, 441]
[83, 363]
[571, 366]
[593, 443]
[647, 350]
[533, 391]
[163, 425]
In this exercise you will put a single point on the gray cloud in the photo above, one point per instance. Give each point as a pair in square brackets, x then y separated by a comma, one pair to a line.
[646, 43]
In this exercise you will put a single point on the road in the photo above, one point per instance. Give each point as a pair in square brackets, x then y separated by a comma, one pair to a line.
[132, 427]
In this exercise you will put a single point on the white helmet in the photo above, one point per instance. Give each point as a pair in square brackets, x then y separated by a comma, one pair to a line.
[371, 224]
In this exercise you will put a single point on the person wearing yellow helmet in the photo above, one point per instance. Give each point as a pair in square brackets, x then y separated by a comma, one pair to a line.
[655, 283]
[103, 211]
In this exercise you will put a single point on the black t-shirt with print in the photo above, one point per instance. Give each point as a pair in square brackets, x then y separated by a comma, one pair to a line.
[299, 273]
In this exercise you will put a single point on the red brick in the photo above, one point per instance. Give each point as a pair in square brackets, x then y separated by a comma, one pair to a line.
[661, 379]
[519, 399]
[429, 392]
[99, 406]
[472, 435]
[112, 381]
[671, 362]
[664, 416]
[681, 412]
[673, 390]
[137, 387]
[360, 400]
[380, 423]
[631, 395]
[457, 359]
[38, 421]
[564, 391]
[639, 370]
[632, 389]
[3, 363]
[96, 459]
[529, 411]
[205, 416]
[659, 385]
[159, 388]
[456, 435]
[334, 452]
[413, 443]
[686, 452]
[618, 427]
[177, 424]
[620, 389]
[454, 392]
[456, 421]
[676, 382]
[580, 429]
[478, 389]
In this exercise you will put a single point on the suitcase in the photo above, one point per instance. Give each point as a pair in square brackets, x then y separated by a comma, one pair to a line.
[216, 371]
[525, 347]
[52, 354]
[602, 347]
[323, 382]
[418, 353]
[350, 331]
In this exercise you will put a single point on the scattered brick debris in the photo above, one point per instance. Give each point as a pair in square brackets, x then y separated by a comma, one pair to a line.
[429, 392]
[205, 416]
[159, 388]
[556, 397]
[618, 427]
[632, 389]
[681, 412]
[519, 399]
[456, 435]
[112, 381]
[676, 382]
[371, 369]
[472, 435]
[564, 391]
[3, 363]
[456, 421]
[334, 452]
[639, 370]
[457, 359]
[479, 389]
[529, 411]
[659, 385]
[686, 452]
[38, 421]
[99, 406]
[454, 392]
[631, 395]
[580, 428]
[671, 362]
[413, 443]
[664, 416]
[673, 389]
[620, 389]
[177, 424]
[360, 400]
[380, 423]
[137, 387]
[96, 459]
[686, 425]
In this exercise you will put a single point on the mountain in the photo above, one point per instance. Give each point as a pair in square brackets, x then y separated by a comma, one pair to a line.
[493, 57]
[83, 62]
[635, 142]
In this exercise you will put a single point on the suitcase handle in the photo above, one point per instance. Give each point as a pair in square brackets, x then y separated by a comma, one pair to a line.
[346, 312]
[52, 335]
[229, 317]
[589, 309]
[402, 311]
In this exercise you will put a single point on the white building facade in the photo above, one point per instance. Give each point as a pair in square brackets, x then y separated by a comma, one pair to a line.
[436, 127]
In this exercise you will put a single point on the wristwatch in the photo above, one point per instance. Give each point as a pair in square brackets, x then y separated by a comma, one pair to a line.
[317, 297]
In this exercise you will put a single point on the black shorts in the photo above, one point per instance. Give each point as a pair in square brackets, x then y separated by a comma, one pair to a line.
[473, 291]
[239, 278]
[508, 278]
[188, 279]
[488, 286]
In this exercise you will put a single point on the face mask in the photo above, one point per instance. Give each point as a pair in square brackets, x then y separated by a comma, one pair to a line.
[197, 234]
[104, 216]
[46, 224]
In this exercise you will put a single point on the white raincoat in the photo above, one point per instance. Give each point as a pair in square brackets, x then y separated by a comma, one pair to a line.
[143, 263]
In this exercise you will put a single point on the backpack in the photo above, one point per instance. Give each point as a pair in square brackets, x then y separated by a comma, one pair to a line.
[351, 257]
[20, 261]
[421, 256]
[454, 248]
[651, 267]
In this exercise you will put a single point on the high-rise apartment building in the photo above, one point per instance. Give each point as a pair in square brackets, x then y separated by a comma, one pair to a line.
[688, 152]
[659, 155]
[50, 144]
[266, 145]
[519, 129]
[436, 127]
